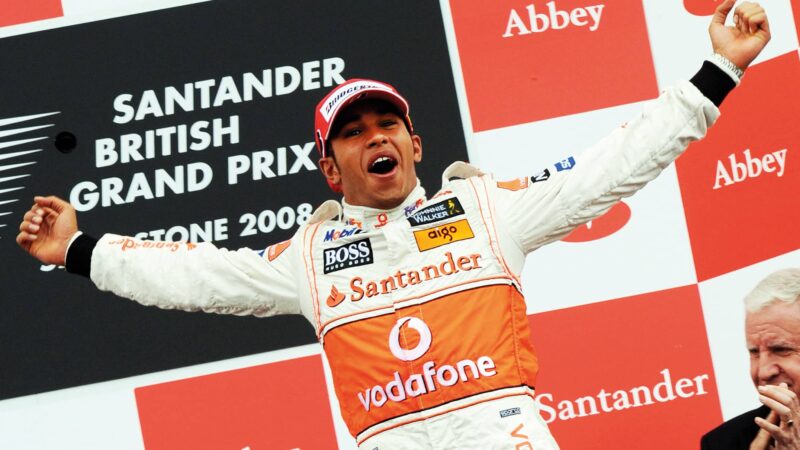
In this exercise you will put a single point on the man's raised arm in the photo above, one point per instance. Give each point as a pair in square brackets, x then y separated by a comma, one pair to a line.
[558, 200]
[170, 275]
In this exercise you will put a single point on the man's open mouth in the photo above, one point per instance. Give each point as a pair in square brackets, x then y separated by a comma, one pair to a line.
[382, 165]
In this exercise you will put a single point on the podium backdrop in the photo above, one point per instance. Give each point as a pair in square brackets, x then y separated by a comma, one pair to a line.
[186, 120]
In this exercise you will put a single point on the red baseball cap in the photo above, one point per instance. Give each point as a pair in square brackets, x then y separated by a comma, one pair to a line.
[345, 94]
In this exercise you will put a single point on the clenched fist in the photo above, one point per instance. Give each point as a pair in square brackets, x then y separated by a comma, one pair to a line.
[46, 229]
[743, 42]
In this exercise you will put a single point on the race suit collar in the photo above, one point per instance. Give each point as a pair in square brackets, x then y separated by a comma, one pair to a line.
[365, 217]
[460, 169]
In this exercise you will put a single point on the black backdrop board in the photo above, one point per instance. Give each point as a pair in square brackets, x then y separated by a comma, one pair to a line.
[56, 329]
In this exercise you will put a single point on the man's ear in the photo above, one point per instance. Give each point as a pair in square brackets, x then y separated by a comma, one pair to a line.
[416, 142]
[330, 170]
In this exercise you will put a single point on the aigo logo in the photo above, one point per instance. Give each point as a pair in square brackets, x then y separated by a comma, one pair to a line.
[438, 236]
[606, 225]
[420, 349]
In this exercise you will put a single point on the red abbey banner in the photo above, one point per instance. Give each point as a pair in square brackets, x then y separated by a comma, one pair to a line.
[283, 405]
[796, 10]
[740, 185]
[15, 12]
[617, 373]
[525, 61]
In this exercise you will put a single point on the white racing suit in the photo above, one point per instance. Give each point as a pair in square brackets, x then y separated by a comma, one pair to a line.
[419, 308]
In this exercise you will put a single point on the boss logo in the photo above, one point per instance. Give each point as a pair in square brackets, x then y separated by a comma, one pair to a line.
[354, 254]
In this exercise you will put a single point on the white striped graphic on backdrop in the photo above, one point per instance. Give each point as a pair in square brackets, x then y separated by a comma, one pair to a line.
[14, 158]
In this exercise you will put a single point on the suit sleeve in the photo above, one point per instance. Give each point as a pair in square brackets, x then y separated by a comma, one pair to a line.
[704, 443]
[190, 277]
[545, 207]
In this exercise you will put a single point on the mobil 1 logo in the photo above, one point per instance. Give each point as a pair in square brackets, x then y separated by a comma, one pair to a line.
[354, 254]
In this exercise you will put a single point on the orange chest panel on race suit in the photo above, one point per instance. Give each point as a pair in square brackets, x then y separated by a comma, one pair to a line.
[420, 315]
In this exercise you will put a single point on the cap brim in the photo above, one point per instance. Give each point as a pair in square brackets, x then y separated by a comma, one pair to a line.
[367, 94]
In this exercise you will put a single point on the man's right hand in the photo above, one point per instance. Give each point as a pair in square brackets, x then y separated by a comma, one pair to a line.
[46, 229]
[763, 440]
[783, 429]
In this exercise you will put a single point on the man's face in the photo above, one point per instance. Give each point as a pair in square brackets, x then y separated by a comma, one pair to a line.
[773, 340]
[374, 155]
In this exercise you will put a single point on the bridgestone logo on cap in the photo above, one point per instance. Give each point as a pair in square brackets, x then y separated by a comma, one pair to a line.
[344, 93]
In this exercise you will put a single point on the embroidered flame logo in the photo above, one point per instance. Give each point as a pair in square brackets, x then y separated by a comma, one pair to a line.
[514, 185]
[275, 250]
[335, 297]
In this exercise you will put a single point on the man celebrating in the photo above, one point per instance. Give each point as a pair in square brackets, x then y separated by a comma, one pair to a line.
[772, 328]
[416, 301]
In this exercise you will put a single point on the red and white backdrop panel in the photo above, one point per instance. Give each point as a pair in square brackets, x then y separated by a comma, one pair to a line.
[636, 316]
[21, 12]
[649, 294]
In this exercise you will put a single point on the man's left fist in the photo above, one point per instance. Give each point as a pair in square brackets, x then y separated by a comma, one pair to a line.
[743, 42]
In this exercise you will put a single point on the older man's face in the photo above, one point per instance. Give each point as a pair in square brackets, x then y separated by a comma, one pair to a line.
[773, 340]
